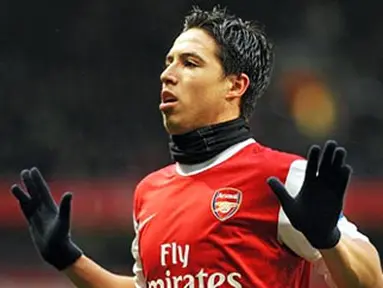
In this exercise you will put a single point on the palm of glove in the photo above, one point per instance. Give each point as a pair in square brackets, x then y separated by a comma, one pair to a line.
[316, 209]
[48, 224]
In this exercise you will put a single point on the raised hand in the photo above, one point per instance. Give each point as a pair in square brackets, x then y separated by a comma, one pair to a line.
[316, 209]
[49, 225]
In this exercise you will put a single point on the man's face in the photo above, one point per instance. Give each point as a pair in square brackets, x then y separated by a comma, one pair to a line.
[194, 87]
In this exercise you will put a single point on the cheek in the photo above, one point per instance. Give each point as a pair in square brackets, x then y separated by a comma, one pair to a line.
[203, 90]
[196, 90]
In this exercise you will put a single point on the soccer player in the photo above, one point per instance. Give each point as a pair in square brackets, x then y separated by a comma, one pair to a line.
[229, 212]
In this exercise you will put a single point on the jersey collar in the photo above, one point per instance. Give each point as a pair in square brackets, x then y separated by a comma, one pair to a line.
[193, 169]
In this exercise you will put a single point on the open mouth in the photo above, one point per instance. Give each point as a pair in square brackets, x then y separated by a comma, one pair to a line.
[169, 100]
[167, 103]
[168, 97]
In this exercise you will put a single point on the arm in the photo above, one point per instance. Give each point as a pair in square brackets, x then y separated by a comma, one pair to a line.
[312, 199]
[85, 273]
[49, 226]
[353, 263]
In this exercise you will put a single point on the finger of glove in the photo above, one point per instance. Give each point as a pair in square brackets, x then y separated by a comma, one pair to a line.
[28, 206]
[29, 184]
[325, 163]
[43, 188]
[344, 179]
[312, 163]
[339, 158]
[20, 195]
[64, 213]
[280, 191]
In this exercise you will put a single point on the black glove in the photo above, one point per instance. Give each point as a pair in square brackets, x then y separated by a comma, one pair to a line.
[49, 225]
[316, 209]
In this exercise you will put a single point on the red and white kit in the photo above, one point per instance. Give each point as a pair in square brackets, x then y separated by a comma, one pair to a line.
[218, 224]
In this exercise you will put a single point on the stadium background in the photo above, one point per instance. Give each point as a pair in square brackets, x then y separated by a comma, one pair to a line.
[79, 94]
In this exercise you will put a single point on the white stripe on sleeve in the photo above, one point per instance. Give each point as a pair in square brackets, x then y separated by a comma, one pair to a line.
[139, 278]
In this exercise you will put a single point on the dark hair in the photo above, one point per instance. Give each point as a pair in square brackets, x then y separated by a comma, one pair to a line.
[243, 48]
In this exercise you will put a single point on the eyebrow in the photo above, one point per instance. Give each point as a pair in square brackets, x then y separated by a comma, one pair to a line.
[186, 55]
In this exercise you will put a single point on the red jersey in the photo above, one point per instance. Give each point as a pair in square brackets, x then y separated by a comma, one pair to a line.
[218, 224]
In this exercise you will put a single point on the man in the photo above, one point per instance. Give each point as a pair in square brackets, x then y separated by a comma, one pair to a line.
[212, 219]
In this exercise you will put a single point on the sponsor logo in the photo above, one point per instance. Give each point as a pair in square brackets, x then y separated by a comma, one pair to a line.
[200, 280]
[226, 202]
[179, 254]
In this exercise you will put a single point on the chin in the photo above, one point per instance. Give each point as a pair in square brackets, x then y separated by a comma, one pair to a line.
[175, 126]
[174, 129]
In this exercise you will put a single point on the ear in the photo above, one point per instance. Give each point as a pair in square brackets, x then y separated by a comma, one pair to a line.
[238, 85]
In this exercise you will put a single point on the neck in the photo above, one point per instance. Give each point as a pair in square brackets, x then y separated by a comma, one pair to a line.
[204, 143]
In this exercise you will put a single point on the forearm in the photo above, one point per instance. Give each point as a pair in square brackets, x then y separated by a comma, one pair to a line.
[85, 273]
[353, 264]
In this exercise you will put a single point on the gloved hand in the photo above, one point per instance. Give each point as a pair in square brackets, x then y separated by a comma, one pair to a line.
[316, 209]
[49, 225]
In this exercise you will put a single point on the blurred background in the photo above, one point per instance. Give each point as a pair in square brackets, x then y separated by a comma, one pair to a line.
[79, 95]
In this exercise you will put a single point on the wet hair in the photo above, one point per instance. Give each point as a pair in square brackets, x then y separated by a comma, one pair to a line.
[242, 48]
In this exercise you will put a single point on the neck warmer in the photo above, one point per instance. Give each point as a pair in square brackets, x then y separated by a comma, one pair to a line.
[204, 143]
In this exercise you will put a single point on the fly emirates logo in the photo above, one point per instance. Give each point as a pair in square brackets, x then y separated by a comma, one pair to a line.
[174, 254]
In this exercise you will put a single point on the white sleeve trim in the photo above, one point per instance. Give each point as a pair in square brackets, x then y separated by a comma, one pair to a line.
[294, 239]
[139, 279]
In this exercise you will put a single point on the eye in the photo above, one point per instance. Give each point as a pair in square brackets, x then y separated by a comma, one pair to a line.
[188, 63]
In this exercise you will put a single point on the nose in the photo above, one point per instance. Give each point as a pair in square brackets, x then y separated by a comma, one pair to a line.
[168, 76]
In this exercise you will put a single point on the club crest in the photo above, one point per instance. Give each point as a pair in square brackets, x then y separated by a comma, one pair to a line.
[225, 203]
